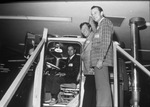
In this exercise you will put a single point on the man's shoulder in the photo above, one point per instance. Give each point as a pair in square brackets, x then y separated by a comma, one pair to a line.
[77, 57]
[107, 21]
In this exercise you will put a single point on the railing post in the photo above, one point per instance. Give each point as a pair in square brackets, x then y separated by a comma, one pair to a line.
[135, 23]
[115, 90]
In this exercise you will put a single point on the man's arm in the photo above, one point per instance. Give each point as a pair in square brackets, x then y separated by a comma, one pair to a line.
[107, 31]
[93, 24]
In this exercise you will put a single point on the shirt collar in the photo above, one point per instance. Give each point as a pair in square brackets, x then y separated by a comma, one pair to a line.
[72, 56]
[100, 22]
[90, 36]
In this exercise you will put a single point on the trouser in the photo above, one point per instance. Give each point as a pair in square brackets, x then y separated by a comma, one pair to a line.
[103, 90]
[89, 99]
[53, 84]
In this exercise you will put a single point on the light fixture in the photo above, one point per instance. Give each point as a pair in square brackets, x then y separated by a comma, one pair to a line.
[116, 20]
[147, 23]
[63, 19]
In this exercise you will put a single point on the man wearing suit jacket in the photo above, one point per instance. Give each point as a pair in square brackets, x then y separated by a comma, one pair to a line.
[89, 99]
[66, 75]
[102, 56]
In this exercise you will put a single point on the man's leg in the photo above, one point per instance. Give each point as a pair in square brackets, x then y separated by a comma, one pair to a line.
[89, 99]
[55, 87]
[103, 90]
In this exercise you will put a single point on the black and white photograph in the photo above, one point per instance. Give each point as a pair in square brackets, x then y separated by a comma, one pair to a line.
[74, 53]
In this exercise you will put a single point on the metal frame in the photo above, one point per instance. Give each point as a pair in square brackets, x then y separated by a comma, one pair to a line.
[118, 48]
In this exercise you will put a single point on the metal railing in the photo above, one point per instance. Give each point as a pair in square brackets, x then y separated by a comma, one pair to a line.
[116, 48]
[37, 87]
[17, 81]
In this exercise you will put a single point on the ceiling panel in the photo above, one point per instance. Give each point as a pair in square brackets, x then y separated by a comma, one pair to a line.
[14, 31]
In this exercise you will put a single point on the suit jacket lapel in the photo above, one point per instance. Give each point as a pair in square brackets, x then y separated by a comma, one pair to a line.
[86, 44]
[70, 60]
[88, 41]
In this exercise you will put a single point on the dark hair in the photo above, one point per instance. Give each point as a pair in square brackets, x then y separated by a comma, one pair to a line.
[85, 23]
[98, 7]
[71, 46]
[88, 25]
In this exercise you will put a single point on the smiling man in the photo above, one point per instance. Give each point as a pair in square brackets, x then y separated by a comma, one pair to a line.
[102, 56]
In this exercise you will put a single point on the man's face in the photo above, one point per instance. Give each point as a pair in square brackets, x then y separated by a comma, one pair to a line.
[85, 30]
[57, 46]
[71, 51]
[96, 15]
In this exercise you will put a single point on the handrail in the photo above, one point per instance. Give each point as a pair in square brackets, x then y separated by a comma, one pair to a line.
[118, 48]
[133, 60]
[37, 86]
[17, 81]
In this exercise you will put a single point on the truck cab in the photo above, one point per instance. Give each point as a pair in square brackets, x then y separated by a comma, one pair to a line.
[55, 59]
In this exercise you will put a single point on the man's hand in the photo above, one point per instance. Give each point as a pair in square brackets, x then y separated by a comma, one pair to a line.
[99, 64]
[60, 74]
[91, 71]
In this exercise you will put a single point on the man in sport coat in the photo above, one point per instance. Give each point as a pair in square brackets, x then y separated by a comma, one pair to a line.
[102, 56]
